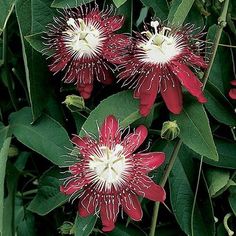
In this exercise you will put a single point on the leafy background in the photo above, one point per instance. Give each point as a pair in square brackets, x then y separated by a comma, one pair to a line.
[35, 127]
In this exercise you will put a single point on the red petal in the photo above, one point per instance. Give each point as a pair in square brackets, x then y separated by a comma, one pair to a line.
[108, 212]
[112, 23]
[233, 82]
[196, 60]
[172, 94]
[85, 90]
[150, 161]
[132, 141]
[74, 186]
[145, 187]
[132, 206]
[57, 66]
[84, 144]
[232, 93]
[115, 49]
[94, 16]
[87, 204]
[189, 80]
[104, 76]
[146, 91]
[110, 130]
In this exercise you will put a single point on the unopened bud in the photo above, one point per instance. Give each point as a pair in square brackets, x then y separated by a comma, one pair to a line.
[66, 228]
[170, 130]
[13, 151]
[74, 103]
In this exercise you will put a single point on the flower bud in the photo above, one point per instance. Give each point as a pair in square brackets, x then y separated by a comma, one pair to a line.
[170, 130]
[66, 228]
[13, 151]
[74, 103]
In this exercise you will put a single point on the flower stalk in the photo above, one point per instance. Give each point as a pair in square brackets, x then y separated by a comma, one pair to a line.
[162, 184]
[221, 24]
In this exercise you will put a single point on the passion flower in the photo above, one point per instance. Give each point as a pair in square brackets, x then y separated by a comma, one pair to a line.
[85, 46]
[109, 176]
[160, 62]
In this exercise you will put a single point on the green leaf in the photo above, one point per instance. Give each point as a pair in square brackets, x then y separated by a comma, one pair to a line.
[48, 196]
[119, 3]
[121, 105]
[6, 7]
[219, 106]
[182, 182]
[4, 148]
[47, 136]
[84, 226]
[227, 154]
[160, 7]
[68, 3]
[232, 199]
[220, 75]
[126, 10]
[195, 129]
[217, 179]
[12, 176]
[29, 19]
[179, 11]
[126, 231]
[36, 42]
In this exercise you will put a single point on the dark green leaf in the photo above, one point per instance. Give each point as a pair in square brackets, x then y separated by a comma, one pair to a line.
[126, 10]
[227, 154]
[217, 179]
[49, 196]
[179, 11]
[232, 199]
[119, 3]
[4, 148]
[126, 231]
[219, 106]
[182, 186]
[69, 3]
[36, 42]
[222, 69]
[6, 7]
[84, 226]
[160, 7]
[114, 105]
[12, 175]
[47, 136]
[195, 129]
[35, 68]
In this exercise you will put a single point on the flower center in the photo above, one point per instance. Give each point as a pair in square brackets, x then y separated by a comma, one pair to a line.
[108, 166]
[160, 46]
[83, 40]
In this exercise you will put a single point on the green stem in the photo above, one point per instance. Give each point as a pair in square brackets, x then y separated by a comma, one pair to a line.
[162, 183]
[196, 192]
[221, 24]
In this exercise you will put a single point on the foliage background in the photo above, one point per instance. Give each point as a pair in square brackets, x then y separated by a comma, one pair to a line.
[35, 126]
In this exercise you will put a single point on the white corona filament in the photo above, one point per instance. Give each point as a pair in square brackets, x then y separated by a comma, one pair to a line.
[160, 47]
[109, 167]
[82, 39]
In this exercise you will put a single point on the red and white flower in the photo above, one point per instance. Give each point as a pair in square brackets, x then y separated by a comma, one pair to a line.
[160, 63]
[232, 92]
[84, 45]
[109, 176]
